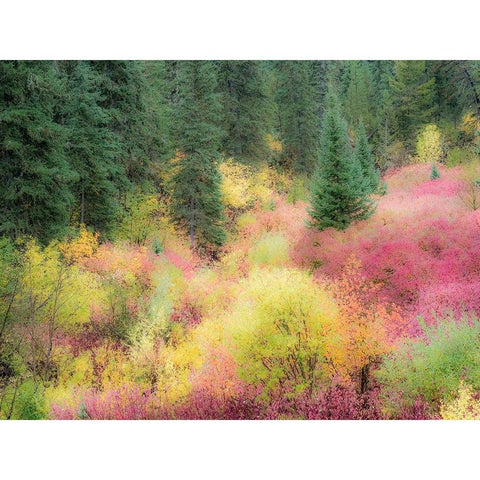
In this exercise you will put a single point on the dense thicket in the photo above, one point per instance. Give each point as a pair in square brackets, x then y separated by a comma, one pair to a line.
[77, 136]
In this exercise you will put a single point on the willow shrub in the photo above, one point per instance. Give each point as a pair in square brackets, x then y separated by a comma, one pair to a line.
[283, 331]
[433, 367]
[271, 249]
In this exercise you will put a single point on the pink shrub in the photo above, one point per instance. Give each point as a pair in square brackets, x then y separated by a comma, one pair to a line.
[124, 403]
[420, 410]
[422, 245]
[118, 263]
[187, 264]
[187, 313]
[338, 402]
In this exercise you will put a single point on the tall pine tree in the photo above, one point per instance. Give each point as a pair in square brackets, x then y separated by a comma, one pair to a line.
[413, 94]
[246, 109]
[361, 99]
[298, 115]
[92, 148]
[339, 190]
[196, 203]
[35, 176]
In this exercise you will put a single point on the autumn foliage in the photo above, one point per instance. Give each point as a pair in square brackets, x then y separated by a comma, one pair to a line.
[377, 321]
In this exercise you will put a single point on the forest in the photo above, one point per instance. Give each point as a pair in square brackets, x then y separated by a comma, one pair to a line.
[233, 239]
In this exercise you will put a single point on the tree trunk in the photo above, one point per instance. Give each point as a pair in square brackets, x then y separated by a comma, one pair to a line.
[192, 237]
[82, 208]
[474, 91]
[364, 378]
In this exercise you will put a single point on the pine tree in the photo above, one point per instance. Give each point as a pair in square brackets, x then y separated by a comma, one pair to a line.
[339, 191]
[92, 148]
[298, 115]
[123, 88]
[196, 203]
[361, 99]
[363, 155]
[413, 96]
[435, 173]
[246, 107]
[35, 176]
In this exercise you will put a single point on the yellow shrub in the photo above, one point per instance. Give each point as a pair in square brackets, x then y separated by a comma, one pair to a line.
[271, 249]
[284, 330]
[179, 363]
[236, 184]
[429, 144]
[470, 125]
[463, 407]
[72, 373]
[62, 293]
[83, 246]
[273, 144]
[144, 216]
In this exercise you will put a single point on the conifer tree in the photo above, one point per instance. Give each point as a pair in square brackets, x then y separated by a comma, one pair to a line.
[122, 88]
[361, 99]
[196, 202]
[413, 95]
[92, 148]
[35, 176]
[298, 115]
[435, 173]
[363, 155]
[339, 190]
[246, 109]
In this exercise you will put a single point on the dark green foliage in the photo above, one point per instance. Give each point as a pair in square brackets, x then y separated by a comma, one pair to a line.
[92, 148]
[361, 98]
[363, 155]
[77, 136]
[155, 128]
[246, 107]
[35, 175]
[339, 190]
[122, 87]
[413, 94]
[196, 203]
[435, 173]
[298, 115]
[457, 89]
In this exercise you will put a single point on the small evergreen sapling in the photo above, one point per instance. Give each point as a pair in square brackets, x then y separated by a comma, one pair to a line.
[435, 173]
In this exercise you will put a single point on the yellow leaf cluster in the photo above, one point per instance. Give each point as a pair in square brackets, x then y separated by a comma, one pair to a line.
[463, 407]
[429, 144]
[470, 124]
[83, 246]
[236, 184]
[273, 144]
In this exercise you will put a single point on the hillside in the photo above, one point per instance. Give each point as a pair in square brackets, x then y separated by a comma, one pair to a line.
[376, 321]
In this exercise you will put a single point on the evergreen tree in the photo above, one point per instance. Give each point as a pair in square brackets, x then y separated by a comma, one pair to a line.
[361, 99]
[156, 127]
[123, 87]
[246, 109]
[363, 155]
[35, 176]
[298, 112]
[339, 191]
[435, 173]
[92, 148]
[413, 96]
[196, 203]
